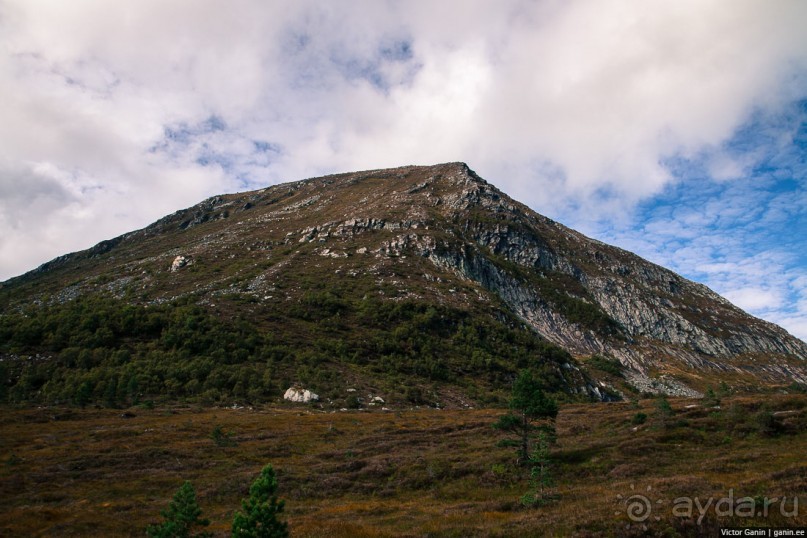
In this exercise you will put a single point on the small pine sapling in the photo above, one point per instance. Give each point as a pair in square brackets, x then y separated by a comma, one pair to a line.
[182, 515]
[261, 508]
[541, 479]
[664, 411]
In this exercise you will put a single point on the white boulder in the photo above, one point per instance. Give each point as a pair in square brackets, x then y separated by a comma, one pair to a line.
[178, 263]
[299, 395]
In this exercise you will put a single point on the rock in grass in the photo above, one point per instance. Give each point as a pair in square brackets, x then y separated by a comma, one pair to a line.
[300, 395]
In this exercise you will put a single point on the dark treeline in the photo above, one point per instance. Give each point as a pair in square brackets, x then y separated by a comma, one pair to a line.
[101, 350]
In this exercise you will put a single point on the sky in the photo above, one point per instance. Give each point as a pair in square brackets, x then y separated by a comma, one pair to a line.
[677, 130]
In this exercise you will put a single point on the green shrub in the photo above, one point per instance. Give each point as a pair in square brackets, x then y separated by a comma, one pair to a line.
[414, 395]
[798, 388]
[352, 402]
[710, 399]
[609, 366]
[766, 424]
[639, 418]
[222, 438]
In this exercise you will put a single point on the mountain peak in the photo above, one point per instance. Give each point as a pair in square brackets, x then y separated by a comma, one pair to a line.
[430, 237]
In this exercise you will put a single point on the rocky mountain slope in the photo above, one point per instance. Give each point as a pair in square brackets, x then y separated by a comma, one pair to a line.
[437, 236]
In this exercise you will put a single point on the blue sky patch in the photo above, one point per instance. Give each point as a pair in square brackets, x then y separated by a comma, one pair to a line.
[745, 237]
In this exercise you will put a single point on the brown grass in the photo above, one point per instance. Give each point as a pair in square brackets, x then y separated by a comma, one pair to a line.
[421, 472]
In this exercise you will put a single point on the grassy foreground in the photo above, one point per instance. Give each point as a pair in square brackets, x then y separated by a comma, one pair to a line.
[420, 472]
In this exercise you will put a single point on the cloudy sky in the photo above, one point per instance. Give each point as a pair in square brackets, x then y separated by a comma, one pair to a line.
[676, 129]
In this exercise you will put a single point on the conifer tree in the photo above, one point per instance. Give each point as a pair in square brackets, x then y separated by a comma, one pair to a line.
[259, 518]
[541, 479]
[664, 411]
[83, 394]
[181, 516]
[710, 399]
[531, 411]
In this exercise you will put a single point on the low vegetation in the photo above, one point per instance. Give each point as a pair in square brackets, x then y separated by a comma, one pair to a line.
[609, 366]
[409, 472]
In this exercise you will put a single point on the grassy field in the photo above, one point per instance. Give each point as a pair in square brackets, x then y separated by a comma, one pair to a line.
[417, 472]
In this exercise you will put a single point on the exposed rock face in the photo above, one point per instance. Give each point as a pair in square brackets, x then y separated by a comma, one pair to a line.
[683, 320]
[443, 234]
[299, 395]
[663, 319]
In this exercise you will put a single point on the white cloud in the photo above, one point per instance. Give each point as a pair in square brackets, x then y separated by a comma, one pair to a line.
[795, 324]
[755, 298]
[577, 108]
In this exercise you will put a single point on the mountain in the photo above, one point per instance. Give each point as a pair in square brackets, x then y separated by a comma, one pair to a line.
[423, 284]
